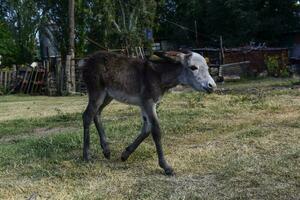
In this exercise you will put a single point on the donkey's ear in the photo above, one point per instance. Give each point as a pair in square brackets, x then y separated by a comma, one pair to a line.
[181, 57]
[188, 56]
[169, 56]
[184, 58]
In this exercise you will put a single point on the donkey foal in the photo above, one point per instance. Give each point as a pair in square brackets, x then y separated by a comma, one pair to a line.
[133, 81]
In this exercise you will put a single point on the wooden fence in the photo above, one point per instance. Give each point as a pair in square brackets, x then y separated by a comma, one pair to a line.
[25, 80]
[7, 79]
[255, 58]
[50, 77]
[31, 81]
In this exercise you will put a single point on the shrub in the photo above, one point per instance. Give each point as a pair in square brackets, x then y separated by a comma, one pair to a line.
[2, 91]
[274, 68]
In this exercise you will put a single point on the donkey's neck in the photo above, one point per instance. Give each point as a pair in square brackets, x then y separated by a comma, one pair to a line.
[169, 74]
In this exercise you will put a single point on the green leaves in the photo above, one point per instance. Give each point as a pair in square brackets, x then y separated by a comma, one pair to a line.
[238, 21]
[118, 24]
[7, 45]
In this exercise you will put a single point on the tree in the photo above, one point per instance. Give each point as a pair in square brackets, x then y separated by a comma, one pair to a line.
[239, 21]
[109, 23]
[131, 19]
[22, 23]
[115, 24]
[56, 13]
[8, 48]
[177, 21]
[70, 64]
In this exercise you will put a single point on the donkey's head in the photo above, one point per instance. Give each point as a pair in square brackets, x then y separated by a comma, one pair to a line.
[195, 71]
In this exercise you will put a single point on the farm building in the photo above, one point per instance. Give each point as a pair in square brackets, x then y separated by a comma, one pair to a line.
[243, 61]
[292, 41]
[48, 43]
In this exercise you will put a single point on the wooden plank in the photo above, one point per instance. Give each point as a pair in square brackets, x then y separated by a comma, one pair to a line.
[73, 76]
[222, 55]
[47, 76]
[34, 81]
[62, 79]
[68, 74]
[1, 79]
[136, 52]
[24, 81]
[233, 69]
[9, 73]
[42, 80]
[142, 52]
[58, 76]
[207, 49]
[5, 80]
[14, 76]
[235, 64]
[28, 82]
[39, 81]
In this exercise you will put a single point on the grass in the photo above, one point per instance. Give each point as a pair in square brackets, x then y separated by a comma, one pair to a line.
[242, 142]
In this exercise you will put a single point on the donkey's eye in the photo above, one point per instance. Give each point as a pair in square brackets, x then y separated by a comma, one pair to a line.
[193, 67]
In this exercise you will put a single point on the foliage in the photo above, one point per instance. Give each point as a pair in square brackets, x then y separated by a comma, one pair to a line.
[122, 23]
[2, 90]
[109, 24]
[22, 20]
[238, 21]
[135, 17]
[8, 48]
[274, 68]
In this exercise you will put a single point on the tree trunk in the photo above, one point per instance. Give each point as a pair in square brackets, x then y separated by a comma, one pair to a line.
[70, 70]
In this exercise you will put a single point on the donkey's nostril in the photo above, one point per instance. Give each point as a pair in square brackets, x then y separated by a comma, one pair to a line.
[210, 85]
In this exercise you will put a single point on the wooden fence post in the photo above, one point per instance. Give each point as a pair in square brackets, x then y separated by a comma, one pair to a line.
[15, 76]
[5, 79]
[73, 75]
[47, 66]
[1, 79]
[58, 76]
[68, 74]
[9, 73]
[222, 57]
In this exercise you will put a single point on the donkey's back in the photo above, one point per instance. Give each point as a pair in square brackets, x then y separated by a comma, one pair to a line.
[113, 72]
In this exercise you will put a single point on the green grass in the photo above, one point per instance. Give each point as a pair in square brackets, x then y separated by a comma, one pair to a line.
[243, 142]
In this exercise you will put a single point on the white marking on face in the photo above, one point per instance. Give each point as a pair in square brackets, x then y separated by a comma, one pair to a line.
[196, 72]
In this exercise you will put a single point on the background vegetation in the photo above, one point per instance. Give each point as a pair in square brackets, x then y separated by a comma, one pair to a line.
[116, 23]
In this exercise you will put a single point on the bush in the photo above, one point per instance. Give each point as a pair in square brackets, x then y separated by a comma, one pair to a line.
[274, 68]
[2, 90]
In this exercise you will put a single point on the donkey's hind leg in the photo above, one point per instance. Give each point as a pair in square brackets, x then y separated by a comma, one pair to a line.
[100, 129]
[95, 101]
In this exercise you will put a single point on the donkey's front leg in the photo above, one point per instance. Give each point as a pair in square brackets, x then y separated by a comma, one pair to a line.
[145, 132]
[150, 109]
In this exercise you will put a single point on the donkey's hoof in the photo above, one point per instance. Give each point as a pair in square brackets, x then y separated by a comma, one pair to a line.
[169, 171]
[125, 155]
[106, 153]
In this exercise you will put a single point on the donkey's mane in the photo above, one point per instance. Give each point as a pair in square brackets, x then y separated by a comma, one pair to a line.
[163, 65]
